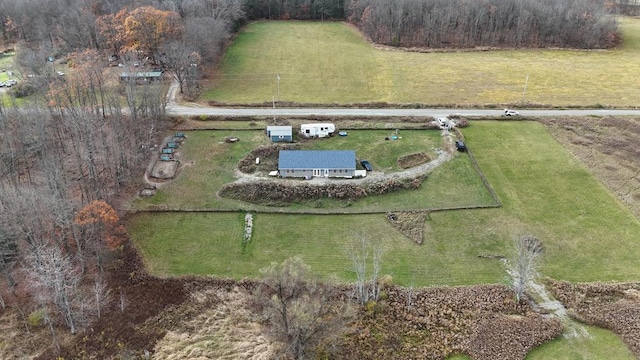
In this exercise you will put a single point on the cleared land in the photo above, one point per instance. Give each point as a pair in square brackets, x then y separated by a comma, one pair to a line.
[587, 233]
[331, 63]
[210, 163]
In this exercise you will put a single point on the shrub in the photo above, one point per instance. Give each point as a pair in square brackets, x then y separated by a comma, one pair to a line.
[36, 318]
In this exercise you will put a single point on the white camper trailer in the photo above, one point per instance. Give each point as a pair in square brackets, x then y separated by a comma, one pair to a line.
[317, 130]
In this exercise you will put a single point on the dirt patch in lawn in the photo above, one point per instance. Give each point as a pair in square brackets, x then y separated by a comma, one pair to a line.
[411, 160]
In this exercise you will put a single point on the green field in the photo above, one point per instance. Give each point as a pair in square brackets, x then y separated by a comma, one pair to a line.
[586, 232]
[601, 344]
[210, 163]
[331, 63]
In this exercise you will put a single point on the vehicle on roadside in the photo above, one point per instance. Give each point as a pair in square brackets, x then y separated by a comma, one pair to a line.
[461, 146]
[508, 112]
[366, 165]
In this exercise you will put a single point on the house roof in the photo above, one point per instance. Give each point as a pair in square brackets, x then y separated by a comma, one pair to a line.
[317, 159]
[144, 74]
[279, 130]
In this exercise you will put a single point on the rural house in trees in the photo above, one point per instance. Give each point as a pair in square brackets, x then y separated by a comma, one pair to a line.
[317, 130]
[317, 163]
[141, 77]
[280, 133]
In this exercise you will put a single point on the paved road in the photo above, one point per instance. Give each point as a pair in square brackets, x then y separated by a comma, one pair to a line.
[188, 110]
[195, 110]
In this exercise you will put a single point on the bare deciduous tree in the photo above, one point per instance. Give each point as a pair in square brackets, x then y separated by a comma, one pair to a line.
[8, 256]
[303, 313]
[55, 281]
[182, 61]
[364, 254]
[496, 23]
[101, 295]
[522, 266]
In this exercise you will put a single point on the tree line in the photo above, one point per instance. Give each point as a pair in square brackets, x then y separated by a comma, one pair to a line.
[485, 23]
[65, 157]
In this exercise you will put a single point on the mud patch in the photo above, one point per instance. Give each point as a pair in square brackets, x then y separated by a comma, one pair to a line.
[164, 170]
[409, 161]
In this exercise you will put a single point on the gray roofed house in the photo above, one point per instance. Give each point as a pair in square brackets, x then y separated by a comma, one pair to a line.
[140, 77]
[280, 133]
[320, 163]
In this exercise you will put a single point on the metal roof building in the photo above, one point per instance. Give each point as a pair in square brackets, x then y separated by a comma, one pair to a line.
[311, 163]
[280, 133]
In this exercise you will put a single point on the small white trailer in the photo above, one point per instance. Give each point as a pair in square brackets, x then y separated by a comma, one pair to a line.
[317, 130]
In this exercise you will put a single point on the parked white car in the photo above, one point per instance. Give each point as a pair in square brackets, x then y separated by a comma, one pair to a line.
[508, 112]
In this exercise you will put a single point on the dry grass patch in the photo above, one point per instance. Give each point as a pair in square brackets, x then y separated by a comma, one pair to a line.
[16, 342]
[217, 324]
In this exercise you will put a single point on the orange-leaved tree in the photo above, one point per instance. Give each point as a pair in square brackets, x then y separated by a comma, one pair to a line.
[146, 29]
[101, 221]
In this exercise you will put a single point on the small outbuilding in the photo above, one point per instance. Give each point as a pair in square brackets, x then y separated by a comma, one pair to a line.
[280, 133]
[317, 163]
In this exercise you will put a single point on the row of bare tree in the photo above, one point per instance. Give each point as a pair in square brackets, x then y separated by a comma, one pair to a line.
[295, 9]
[485, 23]
[64, 157]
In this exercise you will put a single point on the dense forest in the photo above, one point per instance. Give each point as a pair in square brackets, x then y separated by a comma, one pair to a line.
[71, 146]
[486, 23]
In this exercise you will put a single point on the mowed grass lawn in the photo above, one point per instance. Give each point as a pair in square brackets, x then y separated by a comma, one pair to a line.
[331, 63]
[209, 163]
[587, 234]
[599, 344]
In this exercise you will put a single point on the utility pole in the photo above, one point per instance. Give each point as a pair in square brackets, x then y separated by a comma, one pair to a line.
[278, 81]
[274, 108]
[524, 92]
